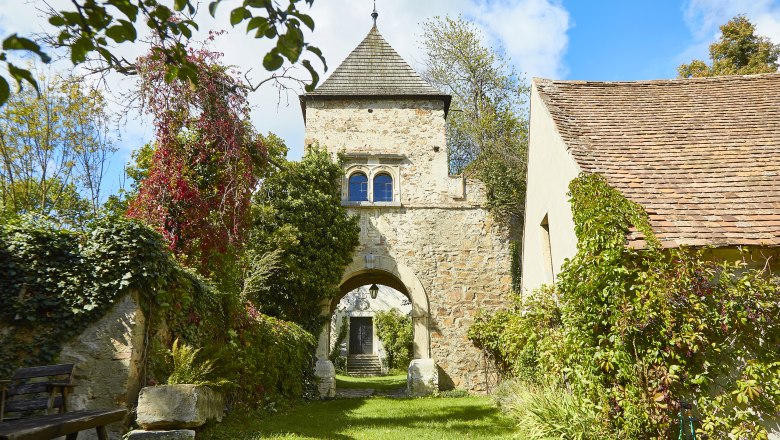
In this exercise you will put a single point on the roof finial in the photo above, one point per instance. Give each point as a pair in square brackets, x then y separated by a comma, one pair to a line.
[374, 14]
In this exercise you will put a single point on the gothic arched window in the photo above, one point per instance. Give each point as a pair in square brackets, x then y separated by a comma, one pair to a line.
[383, 188]
[358, 188]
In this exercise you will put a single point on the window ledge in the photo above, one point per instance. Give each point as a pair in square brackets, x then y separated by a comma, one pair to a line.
[370, 204]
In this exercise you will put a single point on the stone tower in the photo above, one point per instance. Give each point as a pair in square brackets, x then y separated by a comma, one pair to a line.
[423, 232]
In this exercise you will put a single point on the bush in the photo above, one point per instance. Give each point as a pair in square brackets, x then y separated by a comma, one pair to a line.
[525, 341]
[55, 282]
[549, 412]
[397, 336]
[641, 330]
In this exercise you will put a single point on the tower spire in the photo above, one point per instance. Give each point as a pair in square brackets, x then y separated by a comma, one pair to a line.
[374, 14]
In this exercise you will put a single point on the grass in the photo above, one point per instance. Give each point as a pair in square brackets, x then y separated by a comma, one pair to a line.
[372, 418]
[375, 382]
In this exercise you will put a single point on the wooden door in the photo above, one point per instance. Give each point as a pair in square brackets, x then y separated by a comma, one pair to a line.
[361, 335]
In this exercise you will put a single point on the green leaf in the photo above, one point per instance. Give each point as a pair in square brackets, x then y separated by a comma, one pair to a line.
[213, 7]
[5, 93]
[15, 42]
[118, 33]
[79, 50]
[20, 75]
[307, 20]
[180, 4]
[129, 9]
[315, 77]
[272, 61]
[318, 52]
[237, 15]
[56, 20]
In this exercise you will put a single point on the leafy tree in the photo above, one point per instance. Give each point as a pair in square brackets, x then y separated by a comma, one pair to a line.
[54, 150]
[91, 29]
[397, 335]
[739, 51]
[196, 187]
[298, 214]
[487, 127]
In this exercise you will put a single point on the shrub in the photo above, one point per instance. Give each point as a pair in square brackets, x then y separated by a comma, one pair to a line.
[397, 336]
[642, 330]
[55, 282]
[187, 370]
[525, 341]
[549, 412]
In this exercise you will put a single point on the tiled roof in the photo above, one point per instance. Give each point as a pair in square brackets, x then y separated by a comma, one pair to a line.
[373, 69]
[702, 156]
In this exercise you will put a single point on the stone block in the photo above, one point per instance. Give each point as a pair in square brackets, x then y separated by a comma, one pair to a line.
[178, 406]
[326, 375]
[178, 434]
[422, 378]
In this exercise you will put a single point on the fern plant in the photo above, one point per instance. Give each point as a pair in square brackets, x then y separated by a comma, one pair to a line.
[187, 370]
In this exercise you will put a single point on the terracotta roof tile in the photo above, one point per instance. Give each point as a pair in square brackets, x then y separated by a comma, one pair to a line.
[702, 156]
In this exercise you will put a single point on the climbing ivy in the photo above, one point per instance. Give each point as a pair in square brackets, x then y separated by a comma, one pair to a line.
[54, 283]
[642, 330]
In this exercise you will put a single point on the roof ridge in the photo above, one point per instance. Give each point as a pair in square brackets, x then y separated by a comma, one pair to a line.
[720, 78]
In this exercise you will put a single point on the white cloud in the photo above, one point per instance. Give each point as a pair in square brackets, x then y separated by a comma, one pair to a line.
[533, 33]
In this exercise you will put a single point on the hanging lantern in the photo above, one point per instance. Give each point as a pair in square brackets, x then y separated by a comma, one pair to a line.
[374, 291]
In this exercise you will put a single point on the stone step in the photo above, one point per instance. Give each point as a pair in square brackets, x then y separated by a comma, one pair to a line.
[364, 365]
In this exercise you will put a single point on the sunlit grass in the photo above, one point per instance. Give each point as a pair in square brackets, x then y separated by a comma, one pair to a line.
[372, 418]
[375, 382]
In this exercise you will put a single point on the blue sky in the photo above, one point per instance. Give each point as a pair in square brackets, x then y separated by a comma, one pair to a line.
[566, 39]
[625, 40]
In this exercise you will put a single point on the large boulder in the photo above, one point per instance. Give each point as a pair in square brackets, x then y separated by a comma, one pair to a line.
[422, 378]
[178, 406]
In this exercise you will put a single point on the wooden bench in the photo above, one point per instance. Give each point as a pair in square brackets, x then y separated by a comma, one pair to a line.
[45, 389]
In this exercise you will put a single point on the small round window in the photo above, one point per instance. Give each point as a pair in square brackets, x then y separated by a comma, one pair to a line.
[383, 188]
[358, 188]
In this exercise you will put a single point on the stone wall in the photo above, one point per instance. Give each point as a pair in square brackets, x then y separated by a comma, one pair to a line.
[108, 362]
[438, 229]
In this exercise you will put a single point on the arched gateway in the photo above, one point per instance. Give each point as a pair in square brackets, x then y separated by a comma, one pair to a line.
[423, 232]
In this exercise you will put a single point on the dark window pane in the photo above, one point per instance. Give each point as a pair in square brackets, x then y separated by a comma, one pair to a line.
[383, 188]
[358, 188]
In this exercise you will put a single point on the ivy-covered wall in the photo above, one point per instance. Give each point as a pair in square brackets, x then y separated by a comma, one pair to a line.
[55, 284]
[634, 336]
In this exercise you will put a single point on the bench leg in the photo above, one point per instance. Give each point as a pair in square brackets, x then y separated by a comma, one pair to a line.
[72, 436]
[102, 433]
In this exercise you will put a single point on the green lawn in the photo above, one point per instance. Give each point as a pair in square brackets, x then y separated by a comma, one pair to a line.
[375, 382]
[372, 418]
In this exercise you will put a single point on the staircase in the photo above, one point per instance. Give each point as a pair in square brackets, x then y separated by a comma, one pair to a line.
[364, 365]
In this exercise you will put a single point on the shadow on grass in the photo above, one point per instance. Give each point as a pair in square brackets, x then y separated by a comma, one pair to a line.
[348, 418]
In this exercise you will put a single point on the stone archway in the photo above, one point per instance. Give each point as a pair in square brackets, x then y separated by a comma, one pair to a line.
[371, 269]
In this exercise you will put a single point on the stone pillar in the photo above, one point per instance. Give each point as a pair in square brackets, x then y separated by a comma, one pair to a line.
[326, 375]
[323, 344]
[422, 379]
[421, 341]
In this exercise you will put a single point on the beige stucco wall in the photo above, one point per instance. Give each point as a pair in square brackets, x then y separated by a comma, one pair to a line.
[437, 232]
[550, 169]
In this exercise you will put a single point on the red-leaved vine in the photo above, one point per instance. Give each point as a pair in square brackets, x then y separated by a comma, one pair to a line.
[206, 160]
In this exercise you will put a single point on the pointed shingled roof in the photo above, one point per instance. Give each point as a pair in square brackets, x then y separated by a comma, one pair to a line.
[374, 69]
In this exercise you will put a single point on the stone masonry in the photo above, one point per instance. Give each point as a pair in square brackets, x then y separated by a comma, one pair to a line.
[436, 226]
